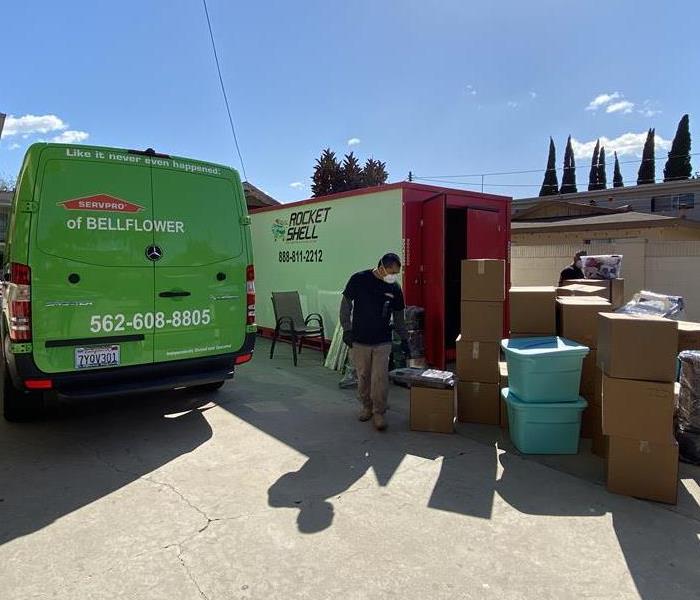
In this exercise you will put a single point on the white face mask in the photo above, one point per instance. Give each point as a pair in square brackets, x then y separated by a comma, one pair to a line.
[578, 264]
[389, 278]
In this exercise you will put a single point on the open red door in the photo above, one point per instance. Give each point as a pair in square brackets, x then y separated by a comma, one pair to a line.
[433, 279]
[485, 234]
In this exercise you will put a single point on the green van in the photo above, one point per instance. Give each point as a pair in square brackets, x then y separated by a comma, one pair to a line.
[125, 271]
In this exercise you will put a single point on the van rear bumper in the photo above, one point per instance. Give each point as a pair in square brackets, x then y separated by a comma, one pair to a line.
[139, 379]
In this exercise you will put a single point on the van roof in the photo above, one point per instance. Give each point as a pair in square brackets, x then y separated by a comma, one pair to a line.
[37, 147]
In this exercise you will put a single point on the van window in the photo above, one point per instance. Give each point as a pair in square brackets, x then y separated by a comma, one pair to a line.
[199, 218]
[95, 212]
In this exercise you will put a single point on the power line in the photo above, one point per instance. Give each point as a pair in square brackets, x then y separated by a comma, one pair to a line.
[223, 91]
[611, 163]
[535, 185]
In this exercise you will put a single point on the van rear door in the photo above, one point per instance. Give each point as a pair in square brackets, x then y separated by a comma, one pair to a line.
[92, 283]
[200, 281]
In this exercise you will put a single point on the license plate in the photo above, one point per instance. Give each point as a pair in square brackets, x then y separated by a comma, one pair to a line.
[95, 358]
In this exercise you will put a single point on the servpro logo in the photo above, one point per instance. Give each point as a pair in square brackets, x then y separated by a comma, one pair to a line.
[101, 202]
[110, 204]
[301, 226]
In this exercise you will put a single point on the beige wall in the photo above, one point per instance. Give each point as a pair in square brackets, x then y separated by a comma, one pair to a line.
[669, 267]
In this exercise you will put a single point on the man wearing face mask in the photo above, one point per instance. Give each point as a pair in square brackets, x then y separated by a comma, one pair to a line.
[370, 299]
[574, 270]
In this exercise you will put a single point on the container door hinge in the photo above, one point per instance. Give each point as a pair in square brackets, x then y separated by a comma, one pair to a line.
[246, 220]
[29, 207]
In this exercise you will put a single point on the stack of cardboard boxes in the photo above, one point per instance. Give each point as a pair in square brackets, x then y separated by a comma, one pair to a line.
[637, 358]
[478, 346]
[577, 320]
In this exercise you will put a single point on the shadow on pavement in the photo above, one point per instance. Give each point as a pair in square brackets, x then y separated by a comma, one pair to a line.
[660, 544]
[51, 468]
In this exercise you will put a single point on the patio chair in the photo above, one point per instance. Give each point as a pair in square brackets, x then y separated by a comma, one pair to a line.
[291, 324]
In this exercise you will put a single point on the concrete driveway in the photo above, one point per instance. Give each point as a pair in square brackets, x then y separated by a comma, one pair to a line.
[271, 489]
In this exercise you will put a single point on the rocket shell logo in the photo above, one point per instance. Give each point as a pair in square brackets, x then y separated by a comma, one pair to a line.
[279, 229]
[102, 203]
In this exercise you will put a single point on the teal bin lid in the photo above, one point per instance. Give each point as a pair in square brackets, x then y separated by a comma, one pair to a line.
[515, 402]
[543, 346]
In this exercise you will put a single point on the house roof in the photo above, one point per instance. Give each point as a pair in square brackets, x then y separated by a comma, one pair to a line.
[256, 198]
[558, 209]
[618, 220]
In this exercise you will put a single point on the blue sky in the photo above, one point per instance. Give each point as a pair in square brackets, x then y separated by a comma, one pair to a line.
[438, 88]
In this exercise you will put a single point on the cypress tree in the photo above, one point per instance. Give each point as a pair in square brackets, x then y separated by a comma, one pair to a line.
[327, 174]
[550, 184]
[678, 164]
[617, 176]
[593, 175]
[602, 176]
[568, 179]
[647, 170]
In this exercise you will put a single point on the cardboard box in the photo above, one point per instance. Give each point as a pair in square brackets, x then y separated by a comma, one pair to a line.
[636, 409]
[503, 383]
[577, 318]
[589, 371]
[533, 310]
[432, 409]
[577, 289]
[688, 336]
[599, 445]
[592, 422]
[477, 361]
[478, 403]
[637, 347]
[484, 280]
[598, 387]
[503, 419]
[482, 321]
[643, 469]
[503, 373]
[615, 288]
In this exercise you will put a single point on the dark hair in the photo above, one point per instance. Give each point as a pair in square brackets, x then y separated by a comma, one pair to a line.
[389, 260]
[581, 253]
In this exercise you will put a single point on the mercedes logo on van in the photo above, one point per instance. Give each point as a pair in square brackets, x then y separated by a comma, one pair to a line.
[154, 253]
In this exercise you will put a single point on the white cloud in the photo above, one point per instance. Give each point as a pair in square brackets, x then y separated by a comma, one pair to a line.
[471, 91]
[14, 146]
[28, 124]
[602, 100]
[649, 109]
[512, 104]
[627, 144]
[624, 106]
[353, 141]
[533, 95]
[297, 185]
[70, 137]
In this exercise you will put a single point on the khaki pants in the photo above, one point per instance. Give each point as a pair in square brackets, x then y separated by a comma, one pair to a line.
[372, 364]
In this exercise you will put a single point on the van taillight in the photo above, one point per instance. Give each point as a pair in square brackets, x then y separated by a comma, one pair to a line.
[19, 303]
[250, 294]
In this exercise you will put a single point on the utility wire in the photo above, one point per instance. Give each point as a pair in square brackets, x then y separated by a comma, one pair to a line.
[223, 91]
[611, 163]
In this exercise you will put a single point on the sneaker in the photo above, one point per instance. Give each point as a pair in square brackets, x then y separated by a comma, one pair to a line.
[379, 422]
[365, 414]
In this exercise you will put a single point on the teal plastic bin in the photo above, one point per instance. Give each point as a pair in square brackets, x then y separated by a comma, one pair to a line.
[544, 428]
[544, 369]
